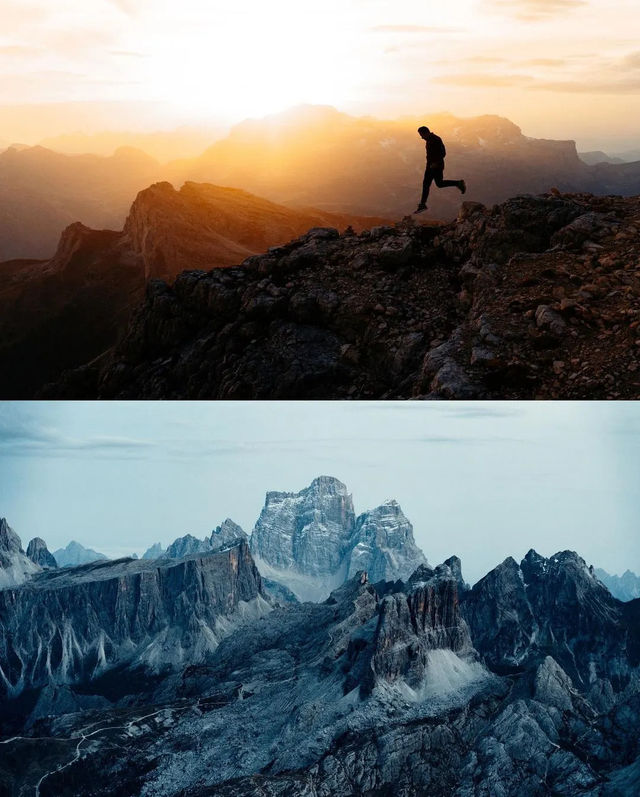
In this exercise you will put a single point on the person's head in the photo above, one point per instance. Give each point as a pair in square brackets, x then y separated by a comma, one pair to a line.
[423, 131]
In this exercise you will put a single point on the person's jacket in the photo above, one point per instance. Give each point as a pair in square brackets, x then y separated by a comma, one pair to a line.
[435, 149]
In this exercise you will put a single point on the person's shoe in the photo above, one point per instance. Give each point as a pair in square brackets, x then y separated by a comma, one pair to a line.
[463, 187]
[420, 208]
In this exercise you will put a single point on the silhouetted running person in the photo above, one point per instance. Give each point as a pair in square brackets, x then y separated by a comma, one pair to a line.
[435, 167]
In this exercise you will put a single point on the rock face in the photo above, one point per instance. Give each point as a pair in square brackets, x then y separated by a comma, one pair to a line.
[520, 613]
[38, 552]
[526, 299]
[75, 554]
[312, 542]
[72, 627]
[186, 545]
[203, 225]
[59, 313]
[383, 545]
[228, 533]
[15, 567]
[154, 552]
[625, 587]
[379, 690]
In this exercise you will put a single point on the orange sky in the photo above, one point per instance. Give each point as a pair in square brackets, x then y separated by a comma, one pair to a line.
[558, 68]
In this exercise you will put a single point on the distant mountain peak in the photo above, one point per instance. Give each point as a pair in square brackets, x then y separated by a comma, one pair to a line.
[311, 541]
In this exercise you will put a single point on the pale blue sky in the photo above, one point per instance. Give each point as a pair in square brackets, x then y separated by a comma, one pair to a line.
[481, 480]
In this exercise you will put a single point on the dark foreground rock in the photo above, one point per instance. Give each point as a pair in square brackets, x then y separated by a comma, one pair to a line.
[538, 297]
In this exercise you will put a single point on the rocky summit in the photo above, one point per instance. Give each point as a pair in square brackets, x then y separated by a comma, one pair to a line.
[312, 541]
[537, 297]
[527, 684]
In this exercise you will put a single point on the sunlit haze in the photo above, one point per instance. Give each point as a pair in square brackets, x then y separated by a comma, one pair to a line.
[483, 481]
[558, 68]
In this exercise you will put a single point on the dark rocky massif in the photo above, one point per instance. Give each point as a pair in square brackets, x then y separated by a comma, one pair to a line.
[538, 297]
[526, 685]
[60, 313]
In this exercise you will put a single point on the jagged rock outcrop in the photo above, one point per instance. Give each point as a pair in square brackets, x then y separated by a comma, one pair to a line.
[228, 533]
[38, 552]
[625, 587]
[186, 545]
[375, 691]
[206, 226]
[72, 627]
[15, 566]
[383, 545]
[312, 542]
[300, 538]
[556, 606]
[530, 298]
[154, 551]
[60, 313]
[76, 554]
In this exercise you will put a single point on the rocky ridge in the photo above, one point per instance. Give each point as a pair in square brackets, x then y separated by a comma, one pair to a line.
[312, 542]
[64, 633]
[62, 312]
[15, 566]
[38, 552]
[538, 297]
[388, 688]
[625, 587]
[76, 554]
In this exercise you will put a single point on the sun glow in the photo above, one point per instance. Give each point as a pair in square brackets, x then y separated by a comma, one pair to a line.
[240, 63]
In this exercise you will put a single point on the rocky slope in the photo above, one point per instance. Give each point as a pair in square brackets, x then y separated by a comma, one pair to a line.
[536, 298]
[66, 311]
[227, 534]
[15, 566]
[312, 542]
[203, 225]
[379, 690]
[75, 554]
[625, 587]
[64, 634]
[40, 555]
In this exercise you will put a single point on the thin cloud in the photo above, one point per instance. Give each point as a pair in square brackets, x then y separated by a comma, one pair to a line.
[475, 80]
[532, 10]
[544, 62]
[19, 50]
[632, 60]
[584, 87]
[413, 29]
[128, 54]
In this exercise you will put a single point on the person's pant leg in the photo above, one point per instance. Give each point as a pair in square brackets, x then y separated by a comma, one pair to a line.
[438, 176]
[426, 184]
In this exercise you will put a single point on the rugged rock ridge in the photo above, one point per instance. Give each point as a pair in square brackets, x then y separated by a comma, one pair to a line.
[38, 552]
[60, 313]
[383, 545]
[76, 554]
[226, 535]
[377, 691]
[520, 613]
[312, 542]
[203, 225]
[531, 298]
[625, 587]
[70, 627]
[15, 566]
